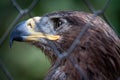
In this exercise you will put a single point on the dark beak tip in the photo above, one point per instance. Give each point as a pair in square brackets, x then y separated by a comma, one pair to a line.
[11, 42]
[10, 45]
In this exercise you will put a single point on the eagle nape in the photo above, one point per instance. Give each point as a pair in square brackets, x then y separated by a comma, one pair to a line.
[97, 53]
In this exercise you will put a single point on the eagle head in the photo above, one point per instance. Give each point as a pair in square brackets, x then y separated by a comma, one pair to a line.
[56, 27]
[97, 53]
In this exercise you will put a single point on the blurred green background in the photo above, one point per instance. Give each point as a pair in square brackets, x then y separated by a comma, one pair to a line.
[26, 62]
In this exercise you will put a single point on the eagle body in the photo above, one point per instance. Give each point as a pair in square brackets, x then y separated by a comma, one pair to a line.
[97, 53]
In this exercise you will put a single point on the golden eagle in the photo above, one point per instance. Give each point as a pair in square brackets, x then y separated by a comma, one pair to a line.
[97, 53]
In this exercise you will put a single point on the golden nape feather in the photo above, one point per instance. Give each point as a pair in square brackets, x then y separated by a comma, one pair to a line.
[97, 53]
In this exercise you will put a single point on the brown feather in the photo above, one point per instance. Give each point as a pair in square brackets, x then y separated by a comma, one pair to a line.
[98, 53]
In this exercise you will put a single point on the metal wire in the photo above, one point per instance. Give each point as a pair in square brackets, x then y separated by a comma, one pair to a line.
[77, 40]
[65, 54]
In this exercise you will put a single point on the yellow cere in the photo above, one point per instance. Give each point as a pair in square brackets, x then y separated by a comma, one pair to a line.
[31, 23]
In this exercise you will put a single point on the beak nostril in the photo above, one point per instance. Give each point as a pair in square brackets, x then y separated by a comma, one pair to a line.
[29, 25]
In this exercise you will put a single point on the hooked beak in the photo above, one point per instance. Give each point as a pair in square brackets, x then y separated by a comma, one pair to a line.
[25, 32]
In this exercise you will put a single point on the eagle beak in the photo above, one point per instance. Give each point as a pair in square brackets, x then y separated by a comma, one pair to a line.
[25, 32]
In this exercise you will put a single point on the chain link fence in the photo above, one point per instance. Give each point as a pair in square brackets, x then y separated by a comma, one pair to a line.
[65, 54]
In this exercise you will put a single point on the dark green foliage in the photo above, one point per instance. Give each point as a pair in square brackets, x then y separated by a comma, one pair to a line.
[26, 62]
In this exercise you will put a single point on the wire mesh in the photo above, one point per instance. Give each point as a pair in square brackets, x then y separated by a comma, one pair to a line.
[65, 54]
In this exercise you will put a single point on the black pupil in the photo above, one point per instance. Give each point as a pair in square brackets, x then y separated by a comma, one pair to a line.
[57, 23]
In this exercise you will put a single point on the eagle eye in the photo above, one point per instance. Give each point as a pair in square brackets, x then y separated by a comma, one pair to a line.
[57, 22]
